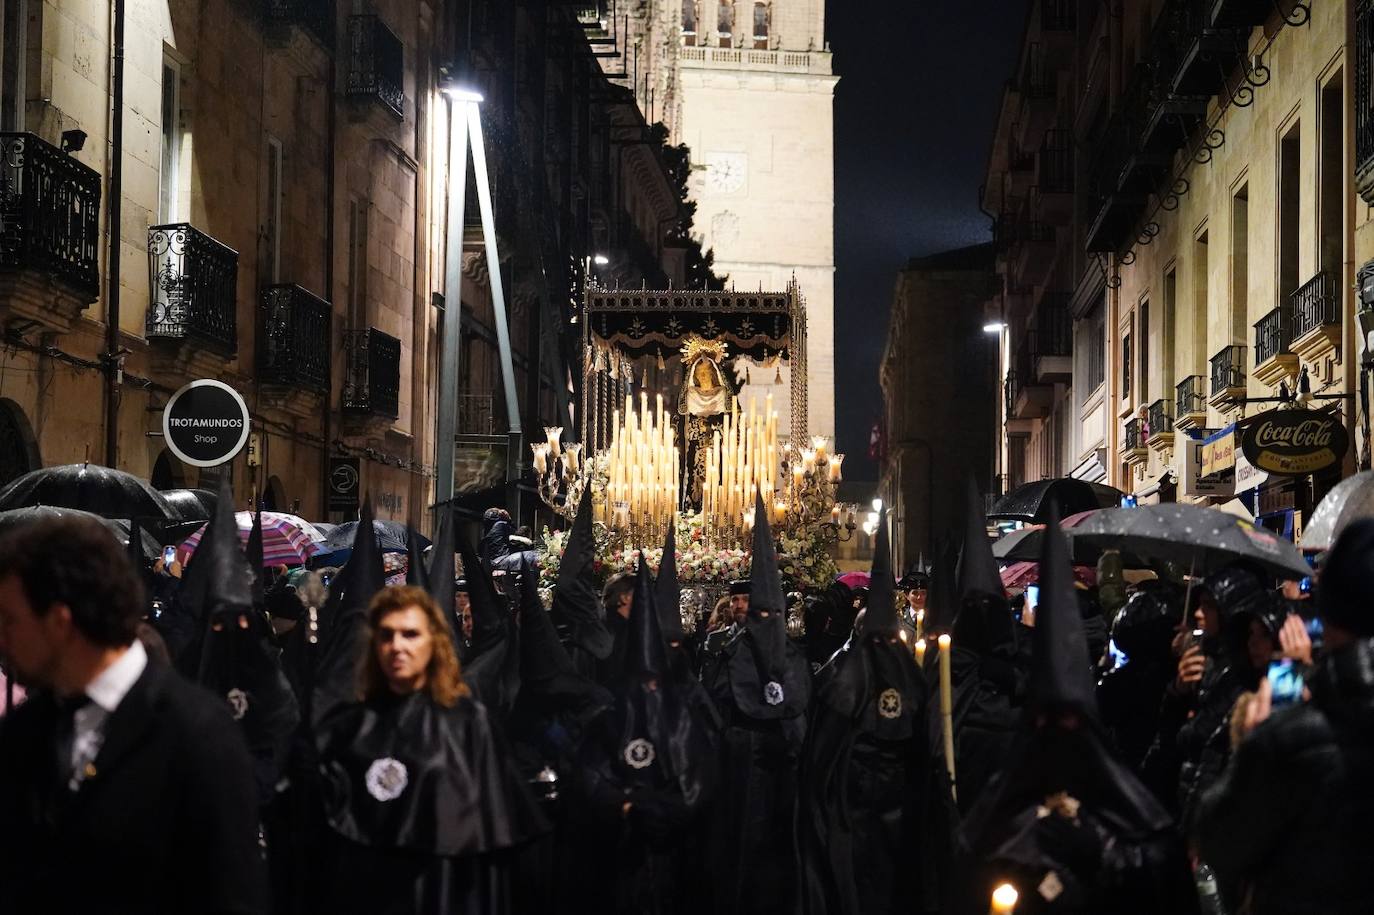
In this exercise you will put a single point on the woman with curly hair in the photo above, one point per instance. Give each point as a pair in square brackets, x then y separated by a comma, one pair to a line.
[418, 786]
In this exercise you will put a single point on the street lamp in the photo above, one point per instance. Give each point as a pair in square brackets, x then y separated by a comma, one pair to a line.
[995, 327]
[601, 260]
[464, 121]
[1364, 317]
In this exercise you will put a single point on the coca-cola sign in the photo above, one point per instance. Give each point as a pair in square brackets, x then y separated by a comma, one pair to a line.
[1295, 442]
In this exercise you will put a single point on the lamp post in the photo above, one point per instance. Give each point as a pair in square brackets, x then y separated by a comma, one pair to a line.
[465, 120]
[1003, 359]
[1364, 318]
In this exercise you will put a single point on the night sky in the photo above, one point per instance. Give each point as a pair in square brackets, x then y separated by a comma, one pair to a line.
[914, 113]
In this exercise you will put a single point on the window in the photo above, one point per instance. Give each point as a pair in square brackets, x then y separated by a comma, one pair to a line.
[13, 48]
[1166, 331]
[271, 270]
[689, 22]
[1144, 373]
[1240, 263]
[357, 263]
[761, 26]
[1330, 183]
[1126, 366]
[169, 179]
[1290, 200]
[1096, 347]
[725, 22]
[1199, 354]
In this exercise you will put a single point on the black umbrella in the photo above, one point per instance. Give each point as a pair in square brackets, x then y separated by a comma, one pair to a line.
[1031, 501]
[1348, 500]
[191, 504]
[149, 548]
[391, 537]
[1198, 539]
[99, 490]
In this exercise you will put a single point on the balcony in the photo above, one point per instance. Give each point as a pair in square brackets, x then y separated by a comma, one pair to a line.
[1134, 449]
[1051, 340]
[1029, 398]
[1038, 88]
[1159, 430]
[1228, 377]
[1058, 16]
[1190, 403]
[1316, 310]
[314, 17]
[49, 233]
[1364, 100]
[372, 382]
[1055, 174]
[1204, 53]
[476, 414]
[296, 340]
[192, 282]
[1274, 359]
[376, 64]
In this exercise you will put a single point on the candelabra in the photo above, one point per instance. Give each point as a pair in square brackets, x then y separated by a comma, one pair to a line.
[561, 473]
[805, 507]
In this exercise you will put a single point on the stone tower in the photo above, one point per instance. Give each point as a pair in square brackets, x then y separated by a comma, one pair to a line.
[753, 98]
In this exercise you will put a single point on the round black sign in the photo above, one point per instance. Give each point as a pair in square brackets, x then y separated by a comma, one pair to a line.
[205, 423]
[1295, 442]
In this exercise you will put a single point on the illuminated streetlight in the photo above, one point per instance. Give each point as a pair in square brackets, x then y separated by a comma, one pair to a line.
[994, 328]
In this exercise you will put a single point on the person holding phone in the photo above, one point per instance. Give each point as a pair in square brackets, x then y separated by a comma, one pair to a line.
[1285, 827]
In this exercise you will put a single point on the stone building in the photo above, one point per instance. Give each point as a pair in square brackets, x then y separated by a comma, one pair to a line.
[277, 173]
[938, 375]
[1180, 176]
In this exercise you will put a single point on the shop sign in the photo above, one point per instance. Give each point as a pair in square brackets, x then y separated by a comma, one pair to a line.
[1193, 480]
[345, 482]
[206, 423]
[1219, 451]
[1295, 442]
[1248, 476]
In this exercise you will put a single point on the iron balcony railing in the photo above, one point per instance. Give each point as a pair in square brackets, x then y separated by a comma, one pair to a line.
[1159, 418]
[1228, 369]
[1133, 440]
[1190, 396]
[49, 213]
[476, 414]
[1273, 334]
[315, 16]
[376, 63]
[1056, 162]
[1009, 391]
[1315, 304]
[372, 384]
[296, 339]
[1053, 332]
[1364, 95]
[193, 281]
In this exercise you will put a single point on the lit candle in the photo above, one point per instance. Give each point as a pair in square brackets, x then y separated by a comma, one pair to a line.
[1004, 900]
[808, 461]
[819, 443]
[835, 515]
[572, 454]
[779, 511]
[920, 624]
[797, 473]
[554, 433]
[541, 457]
[836, 461]
[920, 652]
[947, 704]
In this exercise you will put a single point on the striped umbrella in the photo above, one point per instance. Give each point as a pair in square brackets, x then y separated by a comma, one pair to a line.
[286, 539]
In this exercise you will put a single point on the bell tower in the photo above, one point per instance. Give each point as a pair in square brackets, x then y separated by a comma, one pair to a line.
[754, 101]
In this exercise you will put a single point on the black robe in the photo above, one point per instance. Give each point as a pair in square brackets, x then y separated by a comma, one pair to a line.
[421, 798]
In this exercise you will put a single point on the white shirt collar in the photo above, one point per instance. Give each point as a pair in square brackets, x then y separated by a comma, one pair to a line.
[113, 683]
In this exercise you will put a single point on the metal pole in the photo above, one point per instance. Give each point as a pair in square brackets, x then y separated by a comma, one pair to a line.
[498, 304]
[453, 301]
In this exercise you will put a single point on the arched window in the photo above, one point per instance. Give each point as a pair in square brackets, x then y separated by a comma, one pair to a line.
[725, 23]
[761, 26]
[167, 472]
[18, 449]
[689, 22]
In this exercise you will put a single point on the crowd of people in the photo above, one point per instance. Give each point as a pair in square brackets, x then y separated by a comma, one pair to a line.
[223, 739]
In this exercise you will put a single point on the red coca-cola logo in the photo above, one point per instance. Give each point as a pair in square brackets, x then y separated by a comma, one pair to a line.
[1295, 442]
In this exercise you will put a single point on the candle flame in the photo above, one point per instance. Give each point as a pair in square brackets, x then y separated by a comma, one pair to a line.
[1004, 898]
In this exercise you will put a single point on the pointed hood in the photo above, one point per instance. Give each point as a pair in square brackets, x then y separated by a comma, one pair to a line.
[645, 657]
[441, 581]
[577, 596]
[668, 590]
[549, 681]
[978, 575]
[942, 598]
[255, 558]
[765, 584]
[415, 562]
[488, 606]
[218, 563]
[881, 616]
[1060, 672]
[363, 575]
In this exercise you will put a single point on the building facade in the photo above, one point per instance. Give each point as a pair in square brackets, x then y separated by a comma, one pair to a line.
[275, 176]
[938, 376]
[1174, 188]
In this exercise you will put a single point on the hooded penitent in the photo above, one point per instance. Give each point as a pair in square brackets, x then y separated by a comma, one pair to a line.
[577, 597]
[761, 684]
[864, 765]
[416, 575]
[441, 584]
[236, 659]
[1064, 817]
[491, 665]
[984, 624]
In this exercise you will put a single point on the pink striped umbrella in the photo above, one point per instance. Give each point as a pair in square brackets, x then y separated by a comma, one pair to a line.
[286, 539]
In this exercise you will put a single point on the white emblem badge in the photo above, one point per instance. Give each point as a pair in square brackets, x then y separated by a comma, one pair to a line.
[639, 753]
[386, 779]
[238, 703]
[890, 703]
[772, 693]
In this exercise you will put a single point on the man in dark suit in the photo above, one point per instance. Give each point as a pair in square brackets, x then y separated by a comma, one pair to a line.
[123, 788]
